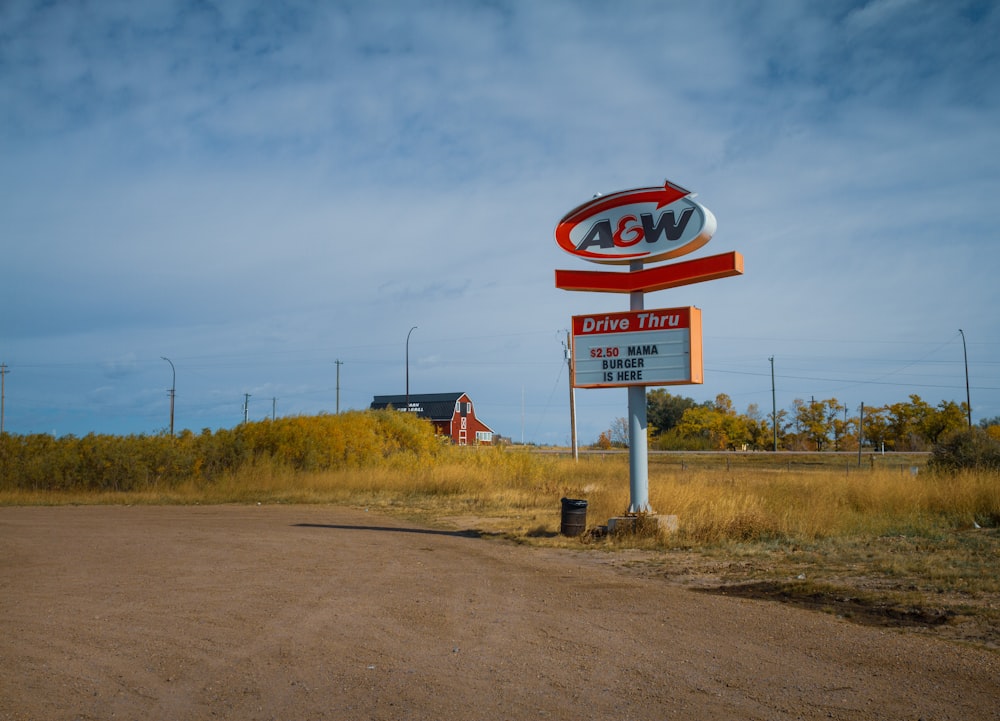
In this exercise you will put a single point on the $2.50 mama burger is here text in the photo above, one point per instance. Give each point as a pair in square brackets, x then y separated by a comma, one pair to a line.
[642, 347]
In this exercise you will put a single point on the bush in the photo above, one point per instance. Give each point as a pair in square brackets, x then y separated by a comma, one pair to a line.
[673, 441]
[971, 449]
[357, 439]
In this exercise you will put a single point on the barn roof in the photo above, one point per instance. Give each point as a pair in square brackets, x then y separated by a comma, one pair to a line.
[436, 406]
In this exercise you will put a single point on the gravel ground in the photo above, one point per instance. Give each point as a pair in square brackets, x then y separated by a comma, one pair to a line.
[317, 612]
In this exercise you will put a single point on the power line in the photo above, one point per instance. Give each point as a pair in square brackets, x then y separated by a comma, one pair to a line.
[851, 381]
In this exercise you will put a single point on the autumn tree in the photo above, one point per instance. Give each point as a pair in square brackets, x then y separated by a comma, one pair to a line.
[947, 417]
[718, 423]
[619, 432]
[991, 426]
[907, 422]
[665, 410]
[842, 426]
[814, 420]
[784, 425]
[758, 429]
[912, 426]
[604, 441]
[875, 426]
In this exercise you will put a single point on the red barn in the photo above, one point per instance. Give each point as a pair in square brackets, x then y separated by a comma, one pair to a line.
[451, 413]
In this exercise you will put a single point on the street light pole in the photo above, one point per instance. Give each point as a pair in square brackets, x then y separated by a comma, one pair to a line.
[3, 392]
[968, 398]
[173, 387]
[774, 408]
[408, 368]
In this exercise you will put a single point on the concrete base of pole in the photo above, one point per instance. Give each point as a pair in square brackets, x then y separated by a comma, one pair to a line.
[642, 524]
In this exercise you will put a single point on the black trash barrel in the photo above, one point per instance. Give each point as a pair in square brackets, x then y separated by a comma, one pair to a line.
[574, 517]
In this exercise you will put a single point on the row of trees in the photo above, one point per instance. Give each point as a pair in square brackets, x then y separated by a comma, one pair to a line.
[680, 423]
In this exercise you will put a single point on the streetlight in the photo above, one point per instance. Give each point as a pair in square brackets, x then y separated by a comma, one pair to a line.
[408, 368]
[774, 408]
[173, 386]
[968, 398]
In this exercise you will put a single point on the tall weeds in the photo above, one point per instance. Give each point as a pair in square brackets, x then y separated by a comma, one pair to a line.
[812, 505]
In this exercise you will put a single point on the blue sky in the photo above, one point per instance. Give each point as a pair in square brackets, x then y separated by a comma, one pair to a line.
[256, 190]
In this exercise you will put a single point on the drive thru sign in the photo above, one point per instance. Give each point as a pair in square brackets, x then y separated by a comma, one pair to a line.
[640, 347]
[637, 348]
[637, 227]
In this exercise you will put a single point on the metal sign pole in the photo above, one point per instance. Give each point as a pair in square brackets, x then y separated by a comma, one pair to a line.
[638, 457]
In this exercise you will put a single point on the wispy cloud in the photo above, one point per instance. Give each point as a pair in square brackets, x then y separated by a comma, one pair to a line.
[258, 188]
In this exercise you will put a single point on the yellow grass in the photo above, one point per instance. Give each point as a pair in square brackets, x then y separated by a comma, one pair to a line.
[713, 504]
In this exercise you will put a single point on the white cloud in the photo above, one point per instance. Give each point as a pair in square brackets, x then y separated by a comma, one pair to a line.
[256, 190]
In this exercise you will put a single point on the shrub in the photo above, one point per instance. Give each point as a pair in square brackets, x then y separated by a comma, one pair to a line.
[357, 439]
[971, 449]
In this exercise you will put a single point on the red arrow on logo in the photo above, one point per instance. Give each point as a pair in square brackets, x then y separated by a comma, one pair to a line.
[669, 193]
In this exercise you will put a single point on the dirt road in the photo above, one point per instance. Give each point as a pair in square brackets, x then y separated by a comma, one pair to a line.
[307, 612]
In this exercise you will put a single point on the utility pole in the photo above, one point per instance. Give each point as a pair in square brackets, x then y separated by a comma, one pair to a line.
[572, 398]
[968, 398]
[774, 408]
[861, 431]
[339, 363]
[3, 392]
[274, 407]
[246, 407]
